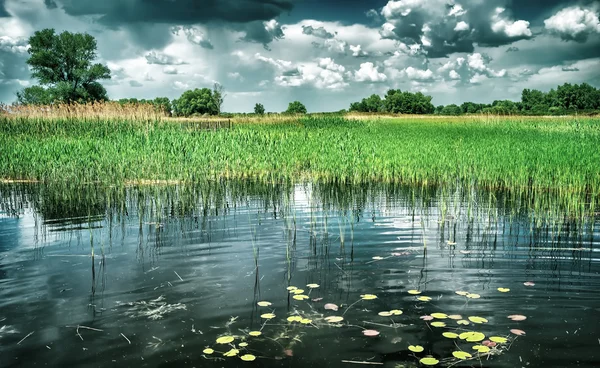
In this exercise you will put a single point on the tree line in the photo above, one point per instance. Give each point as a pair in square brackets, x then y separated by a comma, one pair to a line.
[565, 99]
[63, 64]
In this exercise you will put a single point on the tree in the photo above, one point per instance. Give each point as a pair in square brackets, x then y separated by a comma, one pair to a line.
[296, 107]
[218, 97]
[451, 109]
[259, 109]
[197, 101]
[34, 95]
[63, 63]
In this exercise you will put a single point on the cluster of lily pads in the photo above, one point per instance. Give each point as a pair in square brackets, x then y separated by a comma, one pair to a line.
[482, 346]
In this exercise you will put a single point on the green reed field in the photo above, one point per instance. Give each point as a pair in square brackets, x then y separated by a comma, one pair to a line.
[560, 154]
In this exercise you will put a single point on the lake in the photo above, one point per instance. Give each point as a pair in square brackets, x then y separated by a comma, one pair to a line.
[173, 276]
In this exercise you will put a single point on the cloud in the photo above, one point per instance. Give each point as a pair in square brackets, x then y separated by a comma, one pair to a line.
[512, 49]
[443, 28]
[155, 57]
[180, 85]
[357, 51]
[14, 45]
[573, 23]
[134, 83]
[320, 32]
[119, 12]
[461, 26]
[171, 70]
[473, 69]
[373, 15]
[513, 29]
[262, 32]
[3, 12]
[194, 34]
[418, 74]
[570, 69]
[368, 73]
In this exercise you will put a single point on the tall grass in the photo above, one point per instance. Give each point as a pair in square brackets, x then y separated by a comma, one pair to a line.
[539, 158]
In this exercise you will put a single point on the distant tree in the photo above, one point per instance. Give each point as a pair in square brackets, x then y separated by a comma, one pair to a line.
[196, 101]
[438, 109]
[400, 102]
[259, 109]
[218, 96]
[296, 107]
[451, 109]
[162, 104]
[63, 64]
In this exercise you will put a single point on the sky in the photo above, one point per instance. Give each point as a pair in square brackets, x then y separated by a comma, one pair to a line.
[324, 53]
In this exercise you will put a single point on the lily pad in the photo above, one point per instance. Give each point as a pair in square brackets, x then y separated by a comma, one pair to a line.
[370, 333]
[416, 348]
[439, 315]
[414, 292]
[454, 316]
[463, 322]
[297, 291]
[331, 306]
[294, 319]
[472, 336]
[424, 298]
[248, 357]
[267, 316]
[208, 351]
[396, 312]
[462, 293]
[334, 319]
[225, 339]
[476, 319]
[255, 333]
[473, 296]
[290, 288]
[517, 317]
[377, 258]
[368, 296]
[429, 361]
[306, 321]
[438, 324]
[498, 339]
[450, 335]
[481, 349]
[529, 283]
[461, 355]
[264, 304]
[312, 286]
[243, 344]
[503, 290]
[232, 352]
[426, 318]
[517, 332]
[385, 314]
[300, 297]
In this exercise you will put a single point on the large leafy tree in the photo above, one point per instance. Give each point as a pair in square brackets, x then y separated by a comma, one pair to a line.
[63, 64]
[296, 107]
[196, 102]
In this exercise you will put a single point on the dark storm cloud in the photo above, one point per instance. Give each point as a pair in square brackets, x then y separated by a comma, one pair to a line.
[261, 32]
[455, 28]
[320, 32]
[512, 49]
[570, 69]
[3, 12]
[119, 12]
[50, 4]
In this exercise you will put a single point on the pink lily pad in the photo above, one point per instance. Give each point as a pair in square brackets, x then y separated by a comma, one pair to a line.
[517, 317]
[426, 318]
[331, 306]
[517, 332]
[529, 283]
[317, 299]
[488, 343]
[370, 333]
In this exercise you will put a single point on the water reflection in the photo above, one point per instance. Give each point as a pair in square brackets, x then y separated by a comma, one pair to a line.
[152, 275]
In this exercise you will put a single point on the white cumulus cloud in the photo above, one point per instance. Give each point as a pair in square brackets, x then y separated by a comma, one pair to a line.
[573, 23]
[368, 73]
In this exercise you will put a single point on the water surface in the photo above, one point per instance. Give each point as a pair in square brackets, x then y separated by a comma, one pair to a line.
[151, 276]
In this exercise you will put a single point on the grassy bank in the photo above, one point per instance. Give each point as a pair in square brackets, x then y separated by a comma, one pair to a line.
[559, 153]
